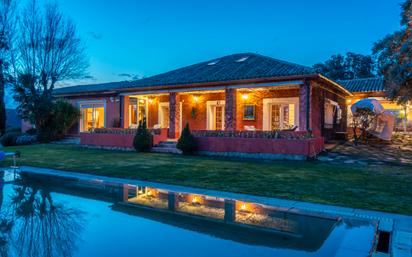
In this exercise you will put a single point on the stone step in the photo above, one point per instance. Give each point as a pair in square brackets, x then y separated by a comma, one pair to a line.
[157, 149]
[166, 145]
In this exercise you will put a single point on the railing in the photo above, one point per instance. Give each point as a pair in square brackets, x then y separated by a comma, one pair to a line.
[292, 135]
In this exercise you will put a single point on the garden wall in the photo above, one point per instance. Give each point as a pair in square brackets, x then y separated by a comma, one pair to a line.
[261, 148]
[117, 138]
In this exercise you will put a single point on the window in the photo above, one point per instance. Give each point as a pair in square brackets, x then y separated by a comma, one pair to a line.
[92, 116]
[282, 116]
[242, 59]
[280, 113]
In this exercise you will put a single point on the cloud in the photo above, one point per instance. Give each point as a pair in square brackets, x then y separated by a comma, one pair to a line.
[131, 76]
[127, 75]
[95, 35]
[89, 77]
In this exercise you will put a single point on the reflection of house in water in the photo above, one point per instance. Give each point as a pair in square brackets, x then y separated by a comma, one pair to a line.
[247, 223]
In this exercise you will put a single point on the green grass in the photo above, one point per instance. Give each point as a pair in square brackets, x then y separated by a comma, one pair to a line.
[384, 188]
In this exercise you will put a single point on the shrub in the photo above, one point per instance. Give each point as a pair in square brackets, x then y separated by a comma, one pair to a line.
[26, 139]
[65, 115]
[9, 139]
[187, 142]
[142, 141]
[31, 131]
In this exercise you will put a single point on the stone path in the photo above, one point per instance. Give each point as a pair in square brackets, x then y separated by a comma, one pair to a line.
[399, 152]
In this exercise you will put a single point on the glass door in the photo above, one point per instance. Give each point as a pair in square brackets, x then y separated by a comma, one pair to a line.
[92, 116]
[281, 116]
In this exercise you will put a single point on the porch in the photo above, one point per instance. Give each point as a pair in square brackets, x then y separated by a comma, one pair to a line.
[270, 121]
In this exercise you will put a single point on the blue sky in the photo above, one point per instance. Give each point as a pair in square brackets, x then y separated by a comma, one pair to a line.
[147, 37]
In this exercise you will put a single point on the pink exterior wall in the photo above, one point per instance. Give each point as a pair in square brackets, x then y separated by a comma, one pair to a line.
[119, 139]
[305, 147]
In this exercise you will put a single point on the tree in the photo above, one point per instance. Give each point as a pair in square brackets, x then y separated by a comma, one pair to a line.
[362, 119]
[49, 51]
[394, 56]
[142, 141]
[7, 35]
[351, 66]
[186, 143]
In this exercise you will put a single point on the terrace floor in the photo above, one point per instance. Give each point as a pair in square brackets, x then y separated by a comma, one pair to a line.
[366, 186]
[398, 153]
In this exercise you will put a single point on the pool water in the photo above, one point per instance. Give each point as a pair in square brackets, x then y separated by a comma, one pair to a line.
[45, 216]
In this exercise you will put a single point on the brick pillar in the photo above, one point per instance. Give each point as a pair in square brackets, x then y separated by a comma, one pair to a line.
[124, 111]
[230, 109]
[174, 118]
[304, 106]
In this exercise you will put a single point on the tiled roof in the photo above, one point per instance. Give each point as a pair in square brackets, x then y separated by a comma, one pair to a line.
[363, 85]
[232, 67]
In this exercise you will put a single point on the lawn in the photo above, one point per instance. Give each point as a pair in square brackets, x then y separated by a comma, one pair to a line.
[384, 188]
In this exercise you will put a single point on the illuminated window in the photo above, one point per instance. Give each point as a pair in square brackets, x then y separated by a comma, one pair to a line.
[92, 116]
[137, 111]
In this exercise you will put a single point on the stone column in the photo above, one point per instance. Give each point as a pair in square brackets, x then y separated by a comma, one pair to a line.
[230, 210]
[230, 109]
[172, 203]
[304, 106]
[174, 118]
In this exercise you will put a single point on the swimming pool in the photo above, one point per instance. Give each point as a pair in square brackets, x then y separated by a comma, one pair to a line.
[50, 216]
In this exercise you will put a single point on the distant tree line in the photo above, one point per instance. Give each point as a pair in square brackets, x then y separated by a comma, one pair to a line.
[391, 59]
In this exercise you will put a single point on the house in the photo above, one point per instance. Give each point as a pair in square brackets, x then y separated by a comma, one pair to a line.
[374, 88]
[243, 104]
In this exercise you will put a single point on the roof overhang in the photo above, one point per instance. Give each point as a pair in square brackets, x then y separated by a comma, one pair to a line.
[218, 85]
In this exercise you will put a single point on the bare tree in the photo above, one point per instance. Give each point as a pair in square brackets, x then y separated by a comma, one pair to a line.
[50, 51]
[8, 23]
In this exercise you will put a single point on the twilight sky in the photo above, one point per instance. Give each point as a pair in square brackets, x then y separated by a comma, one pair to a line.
[147, 37]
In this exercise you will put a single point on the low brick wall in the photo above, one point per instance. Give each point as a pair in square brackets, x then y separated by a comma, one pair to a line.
[117, 139]
[261, 147]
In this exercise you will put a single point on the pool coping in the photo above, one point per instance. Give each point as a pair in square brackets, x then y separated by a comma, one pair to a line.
[400, 225]
[276, 202]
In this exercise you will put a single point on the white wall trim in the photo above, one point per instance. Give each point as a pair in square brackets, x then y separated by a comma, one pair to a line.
[210, 113]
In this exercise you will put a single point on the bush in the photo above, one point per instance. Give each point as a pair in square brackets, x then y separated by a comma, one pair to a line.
[9, 139]
[186, 143]
[17, 138]
[31, 131]
[26, 139]
[65, 115]
[142, 141]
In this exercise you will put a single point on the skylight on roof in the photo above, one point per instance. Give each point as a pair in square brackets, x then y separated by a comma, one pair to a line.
[213, 62]
[242, 59]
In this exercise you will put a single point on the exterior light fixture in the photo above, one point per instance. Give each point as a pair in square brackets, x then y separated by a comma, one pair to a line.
[349, 101]
[149, 193]
[195, 200]
[150, 100]
[196, 98]
[245, 96]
